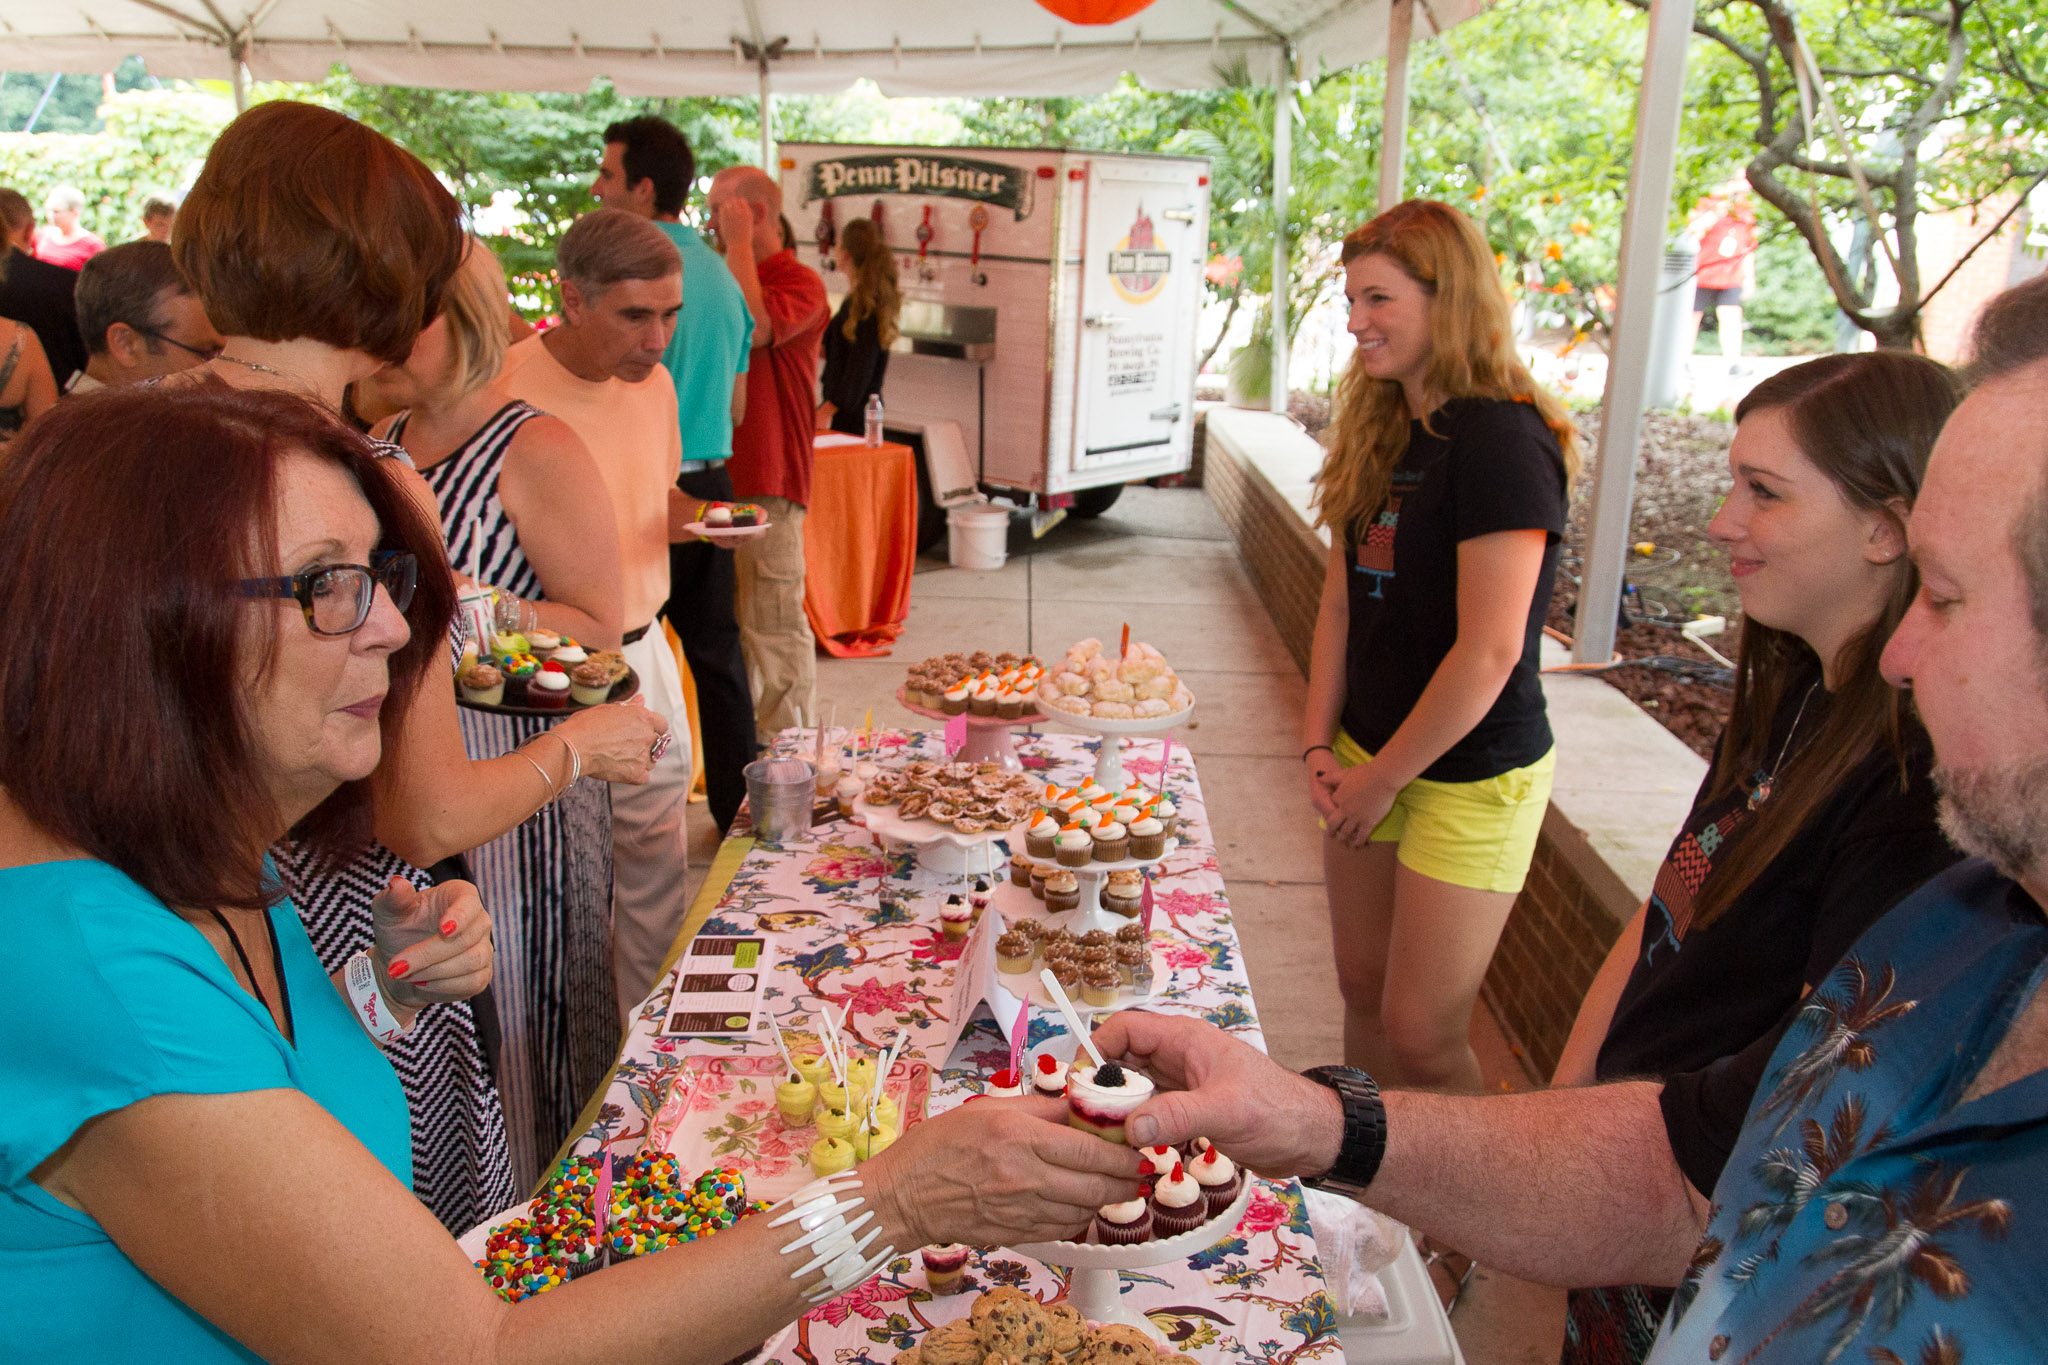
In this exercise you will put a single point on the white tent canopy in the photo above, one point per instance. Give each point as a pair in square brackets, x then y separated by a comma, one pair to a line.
[704, 47]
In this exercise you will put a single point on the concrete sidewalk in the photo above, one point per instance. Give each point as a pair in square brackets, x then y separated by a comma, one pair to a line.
[1162, 560]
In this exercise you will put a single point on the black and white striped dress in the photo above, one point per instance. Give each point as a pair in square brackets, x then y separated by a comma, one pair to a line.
[548, 883]
[461, 1169]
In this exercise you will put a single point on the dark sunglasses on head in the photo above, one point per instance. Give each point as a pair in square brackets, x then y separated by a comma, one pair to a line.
[336, 597]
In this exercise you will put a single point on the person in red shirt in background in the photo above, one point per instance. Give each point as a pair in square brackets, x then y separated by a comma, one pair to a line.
[771, 448]
[64, 242]
[1725, 223]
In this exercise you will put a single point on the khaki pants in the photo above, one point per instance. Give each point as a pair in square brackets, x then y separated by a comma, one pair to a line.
[650, 836]
[781, 653]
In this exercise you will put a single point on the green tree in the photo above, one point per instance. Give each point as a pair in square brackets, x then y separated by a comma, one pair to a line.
[152, 142]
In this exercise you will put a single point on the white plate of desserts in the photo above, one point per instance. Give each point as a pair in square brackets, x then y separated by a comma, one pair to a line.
[727, 533]
[1154, 1251]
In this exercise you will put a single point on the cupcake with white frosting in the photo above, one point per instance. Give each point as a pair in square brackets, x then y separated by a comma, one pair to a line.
[1178, 1204]
[1219, 1178]
[1124, 1224]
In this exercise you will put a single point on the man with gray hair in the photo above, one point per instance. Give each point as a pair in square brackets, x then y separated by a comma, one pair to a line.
[1886, 1198]
[139, 318]
[600, 371]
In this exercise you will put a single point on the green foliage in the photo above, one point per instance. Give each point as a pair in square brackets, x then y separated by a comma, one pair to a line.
[73, 106]
[153, 142]
[1790, 312]
[535, 154]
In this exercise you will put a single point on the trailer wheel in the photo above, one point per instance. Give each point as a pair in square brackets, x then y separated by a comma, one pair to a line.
[1093, 502]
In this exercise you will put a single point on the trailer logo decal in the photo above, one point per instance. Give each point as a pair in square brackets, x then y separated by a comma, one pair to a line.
[1137, 269]
[947, 177]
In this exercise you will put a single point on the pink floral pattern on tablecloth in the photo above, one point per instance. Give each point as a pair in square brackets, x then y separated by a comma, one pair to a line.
[857, 926]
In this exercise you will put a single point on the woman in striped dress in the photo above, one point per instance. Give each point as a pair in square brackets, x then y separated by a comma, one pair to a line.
[342, 202]
[523, 500]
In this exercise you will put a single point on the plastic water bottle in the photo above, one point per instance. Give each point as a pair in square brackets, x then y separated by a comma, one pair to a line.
[874, 419]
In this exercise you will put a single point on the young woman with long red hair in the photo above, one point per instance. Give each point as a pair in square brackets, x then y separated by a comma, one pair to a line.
[1426, 748]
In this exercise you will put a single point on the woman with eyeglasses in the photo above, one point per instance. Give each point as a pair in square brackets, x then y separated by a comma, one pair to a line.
[202, 1155]
[321, 250]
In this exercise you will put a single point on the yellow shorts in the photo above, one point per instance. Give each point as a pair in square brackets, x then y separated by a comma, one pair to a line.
[1478, 834]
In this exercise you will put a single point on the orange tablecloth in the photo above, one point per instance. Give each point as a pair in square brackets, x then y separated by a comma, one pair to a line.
[860, 547]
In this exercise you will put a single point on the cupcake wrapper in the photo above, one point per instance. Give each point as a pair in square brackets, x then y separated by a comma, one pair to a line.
[1219, 1197]
[1020, 876]
[1076, 857]
[1112, 850]
[1039, 846]
[1172, 1222]
[1148, 846]
[1123, 1234]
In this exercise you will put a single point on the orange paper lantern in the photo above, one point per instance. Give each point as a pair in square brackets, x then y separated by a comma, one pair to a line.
[1093, 12]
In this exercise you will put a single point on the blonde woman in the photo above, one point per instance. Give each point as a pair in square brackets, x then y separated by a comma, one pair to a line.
[1427, 750]
[858, 339]
[521, 496]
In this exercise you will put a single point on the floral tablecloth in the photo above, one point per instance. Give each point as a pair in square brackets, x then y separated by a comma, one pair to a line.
[1256, 1296]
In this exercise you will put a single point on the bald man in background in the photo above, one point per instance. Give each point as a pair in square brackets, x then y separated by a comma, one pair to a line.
[771, 448]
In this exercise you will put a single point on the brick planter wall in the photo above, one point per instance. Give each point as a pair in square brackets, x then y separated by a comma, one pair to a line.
[1281, 552]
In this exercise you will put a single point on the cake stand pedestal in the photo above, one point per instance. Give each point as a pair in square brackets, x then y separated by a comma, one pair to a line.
[1095, 1289]
[988, 737]
[1109, 763]
[939, 849]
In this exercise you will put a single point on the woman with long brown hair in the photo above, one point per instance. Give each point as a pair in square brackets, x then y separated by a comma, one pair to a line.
[858, 338]
[1427, 751]
[1818, 812]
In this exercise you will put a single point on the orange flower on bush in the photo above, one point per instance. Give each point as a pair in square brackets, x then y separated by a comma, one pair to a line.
[1553, 251]
[1479, 192]
[1562, 287]
[1581, 227]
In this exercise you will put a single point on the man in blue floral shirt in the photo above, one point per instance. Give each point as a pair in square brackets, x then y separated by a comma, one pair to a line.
[1886, 1199]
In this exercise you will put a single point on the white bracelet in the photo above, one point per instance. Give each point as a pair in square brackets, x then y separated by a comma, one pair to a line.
[372, 1008]
[821, 1208]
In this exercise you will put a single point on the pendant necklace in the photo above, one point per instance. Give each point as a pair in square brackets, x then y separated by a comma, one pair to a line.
[1762, 793]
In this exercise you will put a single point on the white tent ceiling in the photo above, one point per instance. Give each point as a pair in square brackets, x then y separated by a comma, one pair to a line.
[702, 47]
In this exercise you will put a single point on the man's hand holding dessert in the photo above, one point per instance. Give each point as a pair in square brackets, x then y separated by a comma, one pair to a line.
[1211, 1084]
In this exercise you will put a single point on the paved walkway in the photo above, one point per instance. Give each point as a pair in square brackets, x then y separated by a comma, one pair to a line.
[1163, 561]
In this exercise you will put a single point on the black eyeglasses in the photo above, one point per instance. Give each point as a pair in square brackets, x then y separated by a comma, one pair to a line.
[203, 352]
[336, 597]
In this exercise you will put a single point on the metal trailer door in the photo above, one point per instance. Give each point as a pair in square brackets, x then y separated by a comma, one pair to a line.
[1140, 247]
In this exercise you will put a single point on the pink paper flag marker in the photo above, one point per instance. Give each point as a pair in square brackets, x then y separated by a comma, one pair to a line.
[1145, 903]
[1165, 758]
[956, 734]
[1017, 1036]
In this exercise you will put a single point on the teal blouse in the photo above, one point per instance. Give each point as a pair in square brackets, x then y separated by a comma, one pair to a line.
[109, 998]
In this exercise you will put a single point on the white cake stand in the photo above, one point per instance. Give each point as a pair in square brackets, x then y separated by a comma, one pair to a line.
[1095, 1289]
[1109, 763]
[1089, 914]
[988, 737]
[939, 849]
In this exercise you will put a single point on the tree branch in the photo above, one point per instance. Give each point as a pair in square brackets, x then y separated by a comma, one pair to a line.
[2019, 202]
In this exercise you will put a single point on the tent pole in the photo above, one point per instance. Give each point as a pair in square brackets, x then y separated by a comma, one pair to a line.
[1394, 118]
[1283, 176]
[237, 50]
[767, 120]
[1659, 109]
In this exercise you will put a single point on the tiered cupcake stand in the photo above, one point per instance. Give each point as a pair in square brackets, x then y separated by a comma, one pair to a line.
[939, 849]
[988, 737]
[1109, 763]
[1095, 1289]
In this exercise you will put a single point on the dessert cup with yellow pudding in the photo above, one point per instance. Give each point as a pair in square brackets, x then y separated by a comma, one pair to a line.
[795, 1099]
[830, 1155]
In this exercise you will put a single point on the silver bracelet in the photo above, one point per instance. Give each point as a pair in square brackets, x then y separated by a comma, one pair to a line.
[534, 763]
[575, 760]
[823, 1208]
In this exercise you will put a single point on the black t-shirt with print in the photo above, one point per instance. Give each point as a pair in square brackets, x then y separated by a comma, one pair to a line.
[1491, 466]
[1705, 1007]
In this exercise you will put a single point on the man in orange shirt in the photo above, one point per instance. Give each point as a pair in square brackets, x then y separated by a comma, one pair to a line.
[600, 371]
[772, 454]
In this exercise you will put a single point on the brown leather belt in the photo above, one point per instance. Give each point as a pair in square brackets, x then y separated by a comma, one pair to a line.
[634, 637]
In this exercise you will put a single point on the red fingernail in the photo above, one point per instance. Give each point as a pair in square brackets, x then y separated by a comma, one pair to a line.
[447, 926]
[399, 968]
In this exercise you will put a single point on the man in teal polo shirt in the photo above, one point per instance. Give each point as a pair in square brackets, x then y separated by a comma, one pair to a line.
[648, 169]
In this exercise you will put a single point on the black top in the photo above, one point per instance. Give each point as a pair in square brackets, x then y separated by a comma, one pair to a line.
[1705, 1007]
[1493, 466]
[40, 294]
[853, 370]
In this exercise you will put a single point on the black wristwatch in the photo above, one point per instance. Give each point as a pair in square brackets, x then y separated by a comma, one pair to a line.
[1365, 1131]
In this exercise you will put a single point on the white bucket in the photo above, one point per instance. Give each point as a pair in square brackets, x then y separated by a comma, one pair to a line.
[977, 536]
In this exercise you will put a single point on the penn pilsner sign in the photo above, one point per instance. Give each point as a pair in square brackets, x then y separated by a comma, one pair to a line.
[949, 177]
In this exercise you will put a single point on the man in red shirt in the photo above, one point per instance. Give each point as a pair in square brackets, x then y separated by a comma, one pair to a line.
[1725, 223]
[64, 242]
[771, 448]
